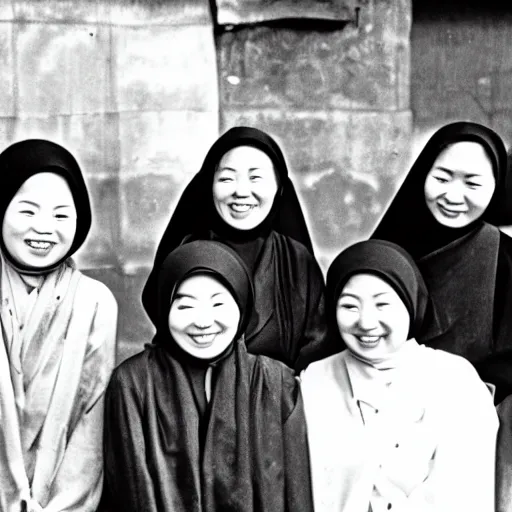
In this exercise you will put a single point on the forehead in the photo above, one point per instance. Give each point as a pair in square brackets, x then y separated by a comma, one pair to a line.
[46, 186]
[245, 156]
[465, 157]
[366, 285]
[201, 286]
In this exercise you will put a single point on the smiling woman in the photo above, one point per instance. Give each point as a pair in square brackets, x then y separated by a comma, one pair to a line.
[243, 197]
[195, 423]
[446, 215]
[58, 327]
[393, 425]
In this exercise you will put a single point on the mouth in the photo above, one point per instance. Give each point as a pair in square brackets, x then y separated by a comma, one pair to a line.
[204, 339]
[241, 208]
[40, 246]
[369, 341]
[450, 213]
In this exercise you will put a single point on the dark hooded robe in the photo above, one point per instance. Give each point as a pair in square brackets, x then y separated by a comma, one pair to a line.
[468, 270]
[169, 449]
[288, 317]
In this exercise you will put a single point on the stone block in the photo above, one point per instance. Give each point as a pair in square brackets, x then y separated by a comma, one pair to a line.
[346, 166]
[238, 12]
[166, 68]
[146, 203]
[63, 69]
[7, 131]
[92, 139]
[6, 11]
[159, 12]
[103, 247]
[7, 96]
[364, 67]
[60, 10]
[172, 143]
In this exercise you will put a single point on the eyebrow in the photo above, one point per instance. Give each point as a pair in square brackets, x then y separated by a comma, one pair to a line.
[29, 202]
[227, 168]
[358, 298]
[186, 295]
[451, 172]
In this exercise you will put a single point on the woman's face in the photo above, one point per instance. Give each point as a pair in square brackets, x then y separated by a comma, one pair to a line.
[244, 187]
[460, 185]
[39, 224]
[372, 319]
[204, 317]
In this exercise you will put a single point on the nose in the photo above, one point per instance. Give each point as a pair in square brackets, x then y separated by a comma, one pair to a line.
[204, 318]
[43, 223]
[243, 186]
[368, 318]
[454, 193]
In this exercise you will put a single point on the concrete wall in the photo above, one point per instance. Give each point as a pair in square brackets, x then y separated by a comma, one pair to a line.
[139, 89]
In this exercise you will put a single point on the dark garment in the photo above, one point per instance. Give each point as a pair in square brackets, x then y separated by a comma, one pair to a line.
[289, 307]
[254, 456]
[468, 271]
[289, 286]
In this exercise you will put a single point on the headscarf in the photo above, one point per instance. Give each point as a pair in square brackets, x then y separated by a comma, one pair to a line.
[409, 223]
[222, 263]
[203, 257]
[196, 215]
[389, 262]
[24, 159]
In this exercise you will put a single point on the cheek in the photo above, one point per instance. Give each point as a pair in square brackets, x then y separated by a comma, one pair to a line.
[344, 320]
[432, 189]
[482, 197]
[221, 191]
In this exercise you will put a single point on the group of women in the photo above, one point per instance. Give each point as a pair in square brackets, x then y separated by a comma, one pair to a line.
[265, 388]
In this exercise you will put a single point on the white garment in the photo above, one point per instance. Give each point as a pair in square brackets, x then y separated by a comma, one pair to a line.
[425, 442]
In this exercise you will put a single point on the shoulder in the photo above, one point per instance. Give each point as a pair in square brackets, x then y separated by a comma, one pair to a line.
[131, 373]
[95, 291]
[505, 242]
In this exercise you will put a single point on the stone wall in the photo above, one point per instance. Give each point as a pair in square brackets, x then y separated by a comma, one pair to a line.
[138, 90]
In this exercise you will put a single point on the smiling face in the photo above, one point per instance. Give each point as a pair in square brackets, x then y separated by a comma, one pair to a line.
[372, 319]
[204, 317]
[244, 187]
[40, 222]
[460, 185]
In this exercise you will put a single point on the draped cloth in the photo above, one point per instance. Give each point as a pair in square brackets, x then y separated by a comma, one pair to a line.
[51, 392]
[57, 351]
[288, 318]
[164, 451]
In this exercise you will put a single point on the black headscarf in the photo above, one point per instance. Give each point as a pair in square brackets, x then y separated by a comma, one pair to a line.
[196, 215]
[203, 257]
[409, 223]
[24, 159]
[222, 263]
[389, 262]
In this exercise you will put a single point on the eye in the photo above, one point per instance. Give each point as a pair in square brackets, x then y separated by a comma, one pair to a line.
[183, 306]
[382, 305]
[348, 307]
[27, 212]
[472, 185]
[256, 177]
[440, 179]
[61, 216]
[217, 304]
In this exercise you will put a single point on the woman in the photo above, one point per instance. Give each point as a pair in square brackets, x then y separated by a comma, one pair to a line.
[194, 423]
[58, 336]
[445, 215]
[394, 425]
[243, 197]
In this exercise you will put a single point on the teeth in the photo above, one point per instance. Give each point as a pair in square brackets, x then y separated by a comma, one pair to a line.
[38, 244]
[369, 339]
[241, 208]
[203, 338]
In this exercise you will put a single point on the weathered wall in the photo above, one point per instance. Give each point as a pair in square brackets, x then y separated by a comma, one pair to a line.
[131, 87]
[461, 65]
[131, 90]
[338, 102]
